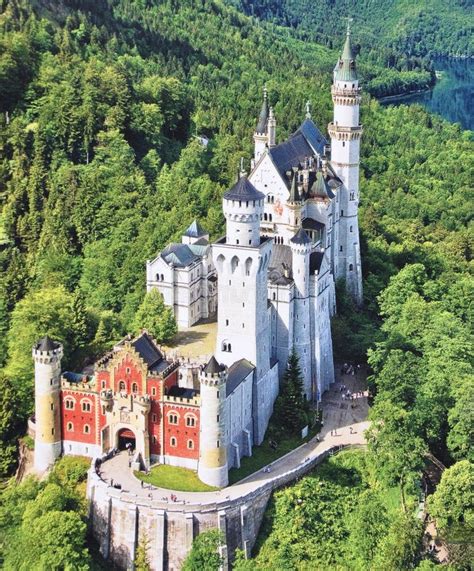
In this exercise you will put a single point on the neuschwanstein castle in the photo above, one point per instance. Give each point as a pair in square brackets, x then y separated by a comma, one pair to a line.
[291, 231]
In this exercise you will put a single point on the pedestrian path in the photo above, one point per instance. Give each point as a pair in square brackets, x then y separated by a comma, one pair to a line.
[344, 423]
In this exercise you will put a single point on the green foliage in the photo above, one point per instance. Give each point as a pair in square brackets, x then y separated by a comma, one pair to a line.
[155, 317]
[11, 421]
[70, 471]
[141, 561]
[452, 504]
[204, 555]
[291, 407]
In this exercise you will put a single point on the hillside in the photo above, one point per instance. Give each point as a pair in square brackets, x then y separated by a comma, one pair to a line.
[100, 167]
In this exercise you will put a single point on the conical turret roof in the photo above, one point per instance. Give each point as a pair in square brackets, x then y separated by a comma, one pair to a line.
[195, 230]
[320, 187]
[46, 344]
[263, 117]
[346, 67]
[213, 367]
[243, 190]
[300, 237]
[294, 192]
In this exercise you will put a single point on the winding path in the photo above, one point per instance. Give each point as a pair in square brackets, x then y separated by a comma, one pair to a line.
[344, 424]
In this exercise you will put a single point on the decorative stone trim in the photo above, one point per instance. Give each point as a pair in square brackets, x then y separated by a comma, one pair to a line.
[344, 133]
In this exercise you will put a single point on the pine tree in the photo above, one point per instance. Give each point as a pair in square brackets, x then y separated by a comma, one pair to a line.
[291, 407]
[100, 338]
[79, 320]
[155, 317]
[141, 561]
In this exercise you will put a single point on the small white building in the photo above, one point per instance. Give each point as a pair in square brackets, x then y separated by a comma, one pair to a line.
[185, 276]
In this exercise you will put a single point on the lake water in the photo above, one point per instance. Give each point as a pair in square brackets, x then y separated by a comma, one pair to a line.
[453, 94]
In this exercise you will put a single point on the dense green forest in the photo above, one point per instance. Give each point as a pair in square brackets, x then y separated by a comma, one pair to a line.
[101, 164]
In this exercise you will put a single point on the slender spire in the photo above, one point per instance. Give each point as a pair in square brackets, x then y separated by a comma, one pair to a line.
[346, 68]
[263, 117]
[294, 192]
[308, 110]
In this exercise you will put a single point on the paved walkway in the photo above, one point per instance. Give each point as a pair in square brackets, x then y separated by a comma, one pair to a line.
[344, 424]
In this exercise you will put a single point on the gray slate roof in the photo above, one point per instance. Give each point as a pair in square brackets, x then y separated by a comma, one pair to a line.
[311, 224]
[148, 351]
[345, 69]
[281, 259]
[181, 255]
[195, 230]
[237, 373]
[243, 189]
[305, 142]
[213, 367]
[300, 237]
[46, 344]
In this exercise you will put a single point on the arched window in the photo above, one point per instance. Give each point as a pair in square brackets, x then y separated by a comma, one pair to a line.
[190, 420]
[134, 388]
[190, 445]
[274, 296]
[226, 346]
[351, 267]
[270, 217]
[69, 403]
[121, 386]
[350, 229]
[220, 262]
[87, 429]
[86, 406]
[265, 216]
[173, 442]
[173, 418]
[162, 278]
[157, 277]
[248, 266]
[70, 427]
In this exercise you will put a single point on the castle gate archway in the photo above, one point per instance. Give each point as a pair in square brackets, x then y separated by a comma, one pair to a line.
[125, 436]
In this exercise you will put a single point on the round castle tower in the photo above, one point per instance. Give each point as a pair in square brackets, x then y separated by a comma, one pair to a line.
[213, 468]
[301, 247]
[47, 355]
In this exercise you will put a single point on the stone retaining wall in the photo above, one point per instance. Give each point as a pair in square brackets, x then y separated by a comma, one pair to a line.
[120, 520]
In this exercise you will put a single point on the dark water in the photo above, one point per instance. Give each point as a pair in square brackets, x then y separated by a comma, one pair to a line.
[453, 94]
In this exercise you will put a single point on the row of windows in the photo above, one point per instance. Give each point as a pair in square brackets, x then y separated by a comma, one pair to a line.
[174, 442]
[85, 430]
[70, 403]
[173, 418]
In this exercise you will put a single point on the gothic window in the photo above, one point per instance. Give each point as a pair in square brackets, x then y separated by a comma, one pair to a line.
[121, 386]
[350, 229]
[220, 261]
[190, 420]
[173, 442]
[173, 418]
[103, 384]
[87, 429]
[69, 403]
[270, 217]
[153, 391]
[86, 406]
[351, 267]
[265, 216]
[157, 277]
[274, 296]
[190, 445]
[134, 388]
[154, 418]
[234, 263]
[70, 427]
[248, 266]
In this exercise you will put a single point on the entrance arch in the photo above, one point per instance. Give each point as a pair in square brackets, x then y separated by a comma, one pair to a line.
[126, 437]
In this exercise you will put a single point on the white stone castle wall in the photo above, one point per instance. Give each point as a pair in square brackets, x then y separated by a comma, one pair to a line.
[239, 422]
[265, 392]
[74, 448]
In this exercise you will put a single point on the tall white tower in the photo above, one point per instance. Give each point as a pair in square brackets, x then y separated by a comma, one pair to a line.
[345, 132]
[260, 137]
[241, 260]
[301, 246]
[47, 355]
[212, 467]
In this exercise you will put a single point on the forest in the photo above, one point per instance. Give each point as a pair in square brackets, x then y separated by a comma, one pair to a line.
[103, 104]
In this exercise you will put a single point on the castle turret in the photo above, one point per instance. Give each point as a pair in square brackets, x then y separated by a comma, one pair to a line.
[271, 128]
[47, 355]
[241, 260]
[260, 136]
[301, 246]
[213, 469]
[345, 132]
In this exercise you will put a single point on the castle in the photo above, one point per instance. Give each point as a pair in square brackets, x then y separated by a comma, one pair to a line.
[291, 232]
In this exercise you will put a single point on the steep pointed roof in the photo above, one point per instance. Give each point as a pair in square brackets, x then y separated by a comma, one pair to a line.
[243, 189]
[300, 237]
[346, 67]
[294, 192]
[320, 188]
[263, 117]
[46, 344]
[213, 367]
[195, 230]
